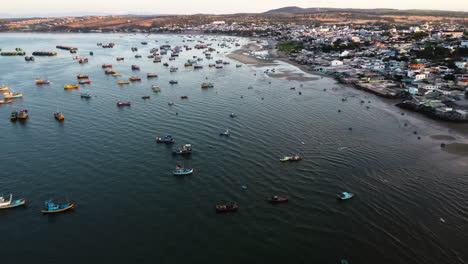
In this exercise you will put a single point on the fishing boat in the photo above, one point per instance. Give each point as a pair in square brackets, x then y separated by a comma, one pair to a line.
[42, 81]
[188, 65]
[123, 82]
[145, 97]
[137, 56]
[59, 116]
[184, 97]
[180, 171]
[120, 59]
[14, 116]
[6, 101]
[185, 149]
[156, 89]
[296, 157]
[4, 88]
[120, 103]
[23, 114]
[51, 208]
[104, 66]
[238, 65]
[229, 207]
[198, 67]
[86, 95]
[345, 195]
[173, 82]
[135, 67]
[207, 85]
[84, 82]
[277, 199]
[170, 103]
[110, 72]
[10, 203]
[151, 75]
[166, 64]
[233, 115]
[66, 87]
[225, 132]
[173, 69]
[134, 79]
[211, 65]
[81, 76]
[219, 66]
[166, 139]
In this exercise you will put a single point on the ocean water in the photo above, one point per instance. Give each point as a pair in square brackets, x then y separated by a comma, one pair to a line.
[410, 204]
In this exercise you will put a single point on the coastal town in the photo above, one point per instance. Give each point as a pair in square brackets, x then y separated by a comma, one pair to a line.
[423, 64]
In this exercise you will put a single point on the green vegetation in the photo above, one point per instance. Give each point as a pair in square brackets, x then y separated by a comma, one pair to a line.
[290, 47]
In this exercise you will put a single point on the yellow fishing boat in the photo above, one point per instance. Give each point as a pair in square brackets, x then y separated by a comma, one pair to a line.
[71, 86]
[123, 82]
[4, 88]
[12, 95]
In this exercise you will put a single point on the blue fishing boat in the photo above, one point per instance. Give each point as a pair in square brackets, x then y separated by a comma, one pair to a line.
[5, 204]
[166, 139]
[185, 149]
[345, 195]
[51, 207]
[86, 95]
[225, 132]
[182, 171]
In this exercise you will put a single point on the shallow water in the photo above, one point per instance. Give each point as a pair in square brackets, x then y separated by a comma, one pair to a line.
[132, 210]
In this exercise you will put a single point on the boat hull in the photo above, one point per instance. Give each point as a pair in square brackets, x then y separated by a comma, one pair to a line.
[14, 204]
[71, 206]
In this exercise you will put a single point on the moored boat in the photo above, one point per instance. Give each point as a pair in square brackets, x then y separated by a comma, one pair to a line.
[10, 203]
[151, 75]
[207, 85]
[184, 97]
[59, 116]
[229, 207]
[110, 72]
[185, 149]
[166, 139]
[4, 88]
[84, 82]
[6, 101]
[225, 132]
[123, 82]
[23, 114]
[296, 157]
[173, 82]
[119, 58]
[51, 207]
[104, 66]
[135, 67]
[134, 78]
[68, 86]
[120, 103]
[86, 95]
[81, 76]
[278, 199]
[14, 116]
[42, 81]
[345, 195]
[179, 171]
[145, 97]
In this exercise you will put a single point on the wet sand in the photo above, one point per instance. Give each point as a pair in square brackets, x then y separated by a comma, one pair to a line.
[457, 149]
[442, 137]
[246, 56]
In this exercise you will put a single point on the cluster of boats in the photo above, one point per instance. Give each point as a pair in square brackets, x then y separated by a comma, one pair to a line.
[50, 207]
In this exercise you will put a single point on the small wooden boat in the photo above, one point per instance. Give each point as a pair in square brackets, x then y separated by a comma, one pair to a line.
[123, 82]
[119, 58]
[12, 95]
[166, 64]
[86, 95]
[145, 97]
[207, 85]
[42, 81]
[23, 114]
[59, 116]
[104, 66]
[173, 69]
[166, 139]
[345, 196]
[233, 115]
[173, 82]
[170, 103]
[52, 208]
[71, 87]
[120, 103]
[5, 204]
[224, 208]
[188, 65]
[225, 132]
[156, 89]
[110, 72]
[180, 171]
[6, 101]
[296, 157]
[151, 75]
[277, 199]
[84, 82]
[81, 76]
[135, 67]
[134, 79]
[185, 149]
[212, 65]
[14, 116]
[184, 97]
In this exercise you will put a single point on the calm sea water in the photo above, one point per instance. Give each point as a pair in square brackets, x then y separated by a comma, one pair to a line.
[411, 198]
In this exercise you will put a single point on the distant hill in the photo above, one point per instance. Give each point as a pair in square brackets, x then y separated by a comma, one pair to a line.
[294, 10]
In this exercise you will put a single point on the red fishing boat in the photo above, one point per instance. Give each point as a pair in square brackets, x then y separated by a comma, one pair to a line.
[277, 199]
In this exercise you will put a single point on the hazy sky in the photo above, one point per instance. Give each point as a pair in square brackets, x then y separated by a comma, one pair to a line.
[22, 7]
